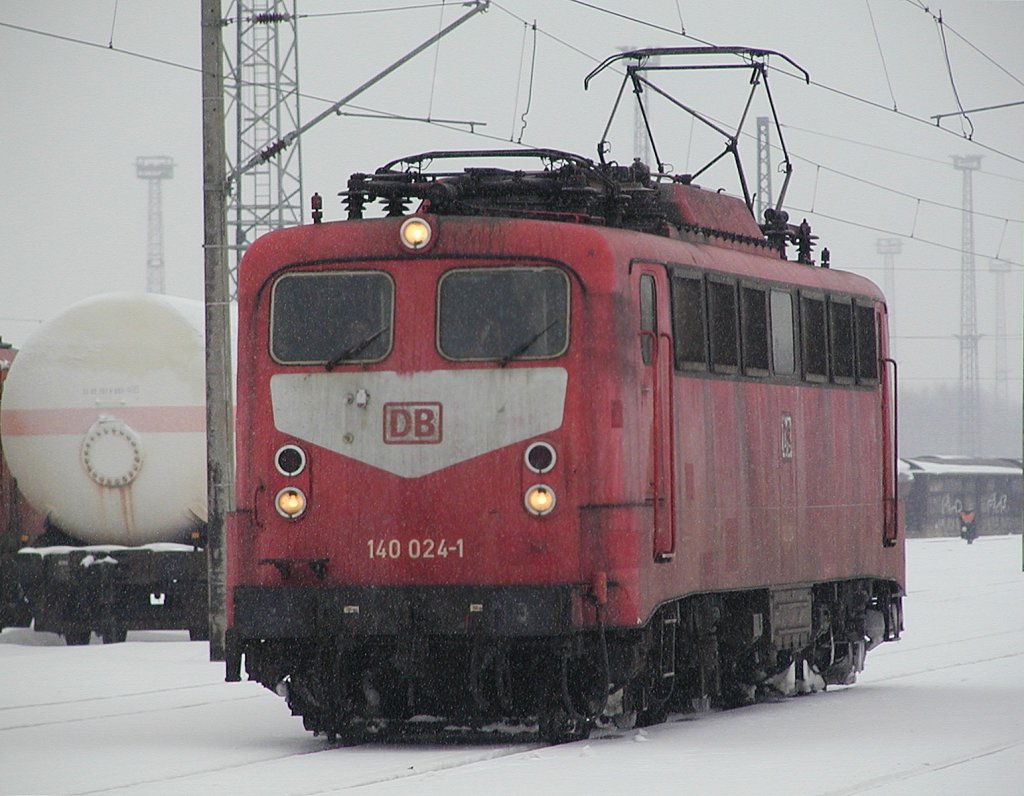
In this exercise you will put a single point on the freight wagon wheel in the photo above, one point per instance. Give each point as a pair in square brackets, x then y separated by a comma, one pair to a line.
[77, 638]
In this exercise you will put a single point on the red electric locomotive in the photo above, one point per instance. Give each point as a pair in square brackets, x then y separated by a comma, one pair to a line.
[562, 444]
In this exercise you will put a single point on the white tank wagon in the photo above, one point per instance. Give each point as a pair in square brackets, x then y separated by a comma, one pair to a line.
[104, 423]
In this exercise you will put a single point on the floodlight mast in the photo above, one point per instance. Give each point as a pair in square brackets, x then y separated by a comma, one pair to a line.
[649, 60]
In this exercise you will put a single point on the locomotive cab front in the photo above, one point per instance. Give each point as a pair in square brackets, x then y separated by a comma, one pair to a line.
[411, 459]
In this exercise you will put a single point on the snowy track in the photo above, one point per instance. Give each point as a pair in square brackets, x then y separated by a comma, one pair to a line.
[195, 738]
[941, 712]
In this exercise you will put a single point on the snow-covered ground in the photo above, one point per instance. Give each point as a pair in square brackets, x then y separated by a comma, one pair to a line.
[940, 712]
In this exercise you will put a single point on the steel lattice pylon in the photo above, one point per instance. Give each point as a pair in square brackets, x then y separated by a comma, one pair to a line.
[261, 88]
[153, 170]
[969, 392]
[764, 167]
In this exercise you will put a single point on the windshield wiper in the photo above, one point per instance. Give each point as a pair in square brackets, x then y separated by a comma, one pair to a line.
[523, 347]
[353, 349]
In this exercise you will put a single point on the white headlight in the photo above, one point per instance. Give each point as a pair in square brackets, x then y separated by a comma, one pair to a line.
[415, 233]
[539, 499]
[290, 502]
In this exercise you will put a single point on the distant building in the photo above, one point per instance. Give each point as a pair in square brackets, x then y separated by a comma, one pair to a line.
[936, 489]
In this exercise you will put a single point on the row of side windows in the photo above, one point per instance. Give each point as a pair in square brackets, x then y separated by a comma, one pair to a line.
[724, 325]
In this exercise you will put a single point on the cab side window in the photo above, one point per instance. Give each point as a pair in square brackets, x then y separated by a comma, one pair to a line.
[813, 338]
[722, 317]
[648, 317]
[783, 334]
[754, 325]
[866, 332]
[840, 331]
[688, 328]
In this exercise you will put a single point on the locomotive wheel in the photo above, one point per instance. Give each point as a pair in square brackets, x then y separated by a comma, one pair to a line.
[653, 714]
[114, 635]
[556, 726]
[77, 638]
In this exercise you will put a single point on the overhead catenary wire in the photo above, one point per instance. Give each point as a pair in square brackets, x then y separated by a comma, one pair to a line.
[540, 31]
[881, 54]
[921, 6]
[810, 211]
[894, 234]
[919, 200]
[900, 152]
[679, 13]
[823, 86]
[519, 80]
[964, 118]
[113, 22]
[903, 114]
[362, 11]
[437, 53]
[636, 20]
[929, 269]
[839, 92]
[946, 379]
[551, 36]
[988, 338]
[533, 26]
[529, 89]
[106, 47]
[905, 194]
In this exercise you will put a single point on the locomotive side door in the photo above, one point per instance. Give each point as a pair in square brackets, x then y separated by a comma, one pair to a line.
[650, 290]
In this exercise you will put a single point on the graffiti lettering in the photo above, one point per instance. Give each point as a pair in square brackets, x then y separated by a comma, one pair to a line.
[995, 503]
[950, 506]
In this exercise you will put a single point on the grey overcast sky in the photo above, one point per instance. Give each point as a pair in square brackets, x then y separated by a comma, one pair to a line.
[869, 161]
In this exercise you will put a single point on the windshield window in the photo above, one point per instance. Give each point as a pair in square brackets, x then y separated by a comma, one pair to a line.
[331, 318]
[503, 314]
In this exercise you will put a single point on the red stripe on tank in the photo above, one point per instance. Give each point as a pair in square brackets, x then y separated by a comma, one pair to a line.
[142, 419]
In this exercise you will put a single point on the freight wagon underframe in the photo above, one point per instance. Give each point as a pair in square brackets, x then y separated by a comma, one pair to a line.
[110, 590]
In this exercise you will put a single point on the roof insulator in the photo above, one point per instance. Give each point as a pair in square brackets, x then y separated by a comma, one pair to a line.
[272, 150]
[269, 17]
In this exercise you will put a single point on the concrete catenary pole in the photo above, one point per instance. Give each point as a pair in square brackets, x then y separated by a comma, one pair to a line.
[219, 432]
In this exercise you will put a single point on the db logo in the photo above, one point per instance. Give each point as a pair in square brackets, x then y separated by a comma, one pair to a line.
[412, 424]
